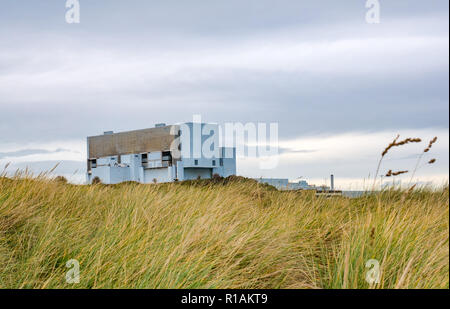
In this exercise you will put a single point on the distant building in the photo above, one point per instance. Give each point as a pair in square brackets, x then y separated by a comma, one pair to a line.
[300, 185]
[279, 183]
[285, 184]
[164, 153]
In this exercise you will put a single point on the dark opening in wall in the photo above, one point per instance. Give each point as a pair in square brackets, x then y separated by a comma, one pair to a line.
[167, 158]
[144, 158]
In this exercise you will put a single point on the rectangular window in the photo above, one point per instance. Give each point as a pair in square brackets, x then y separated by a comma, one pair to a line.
[144, 158]
[221, 162]
[196, 162]
[214, 162]
[166, 158]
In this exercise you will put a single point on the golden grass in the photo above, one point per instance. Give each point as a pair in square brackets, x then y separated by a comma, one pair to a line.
[204, 235]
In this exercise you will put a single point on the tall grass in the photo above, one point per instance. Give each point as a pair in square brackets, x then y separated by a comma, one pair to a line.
[237, 234]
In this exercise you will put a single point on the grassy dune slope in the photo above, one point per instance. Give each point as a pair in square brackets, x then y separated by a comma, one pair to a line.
[203, 235]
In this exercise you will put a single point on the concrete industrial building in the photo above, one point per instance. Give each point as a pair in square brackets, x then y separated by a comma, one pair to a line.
[164, 153]
[285, 184]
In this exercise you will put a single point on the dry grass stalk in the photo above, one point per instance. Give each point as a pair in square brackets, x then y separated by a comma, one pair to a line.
[394, 143]
[401, 143]
[411, 189]
[183, 235]
[399, 284]
[430, 145]
[391, 173]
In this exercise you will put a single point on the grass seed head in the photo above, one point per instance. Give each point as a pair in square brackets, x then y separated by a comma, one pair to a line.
[430, 144]
[399, 173]
[401, 143]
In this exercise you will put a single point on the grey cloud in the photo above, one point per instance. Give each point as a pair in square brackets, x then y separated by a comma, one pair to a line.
[63, 167]
[204, 17]
[129, 65]
[28, 152]
[283, 150]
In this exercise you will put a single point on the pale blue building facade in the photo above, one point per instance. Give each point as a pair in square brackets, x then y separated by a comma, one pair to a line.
[162, 154]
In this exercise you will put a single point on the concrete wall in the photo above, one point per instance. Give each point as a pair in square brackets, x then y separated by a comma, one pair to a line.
[136, 169]
[102, 172]
[119, 174]
[160, 174]
[229, 164]
[192, 142]
[193, 173]
[138, 141]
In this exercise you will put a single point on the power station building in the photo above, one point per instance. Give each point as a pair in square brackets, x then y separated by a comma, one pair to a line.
[285, 184]
[164, 153]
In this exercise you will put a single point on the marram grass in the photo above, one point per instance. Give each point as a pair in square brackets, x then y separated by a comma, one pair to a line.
[229, 235]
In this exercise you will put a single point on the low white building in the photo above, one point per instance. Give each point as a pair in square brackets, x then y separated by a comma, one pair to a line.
[161, 154]
[285, 184]
[279, 183]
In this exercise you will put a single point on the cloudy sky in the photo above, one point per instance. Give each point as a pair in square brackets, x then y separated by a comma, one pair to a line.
[339, 88]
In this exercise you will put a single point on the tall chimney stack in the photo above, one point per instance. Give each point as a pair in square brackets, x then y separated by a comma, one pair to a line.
[332, 182]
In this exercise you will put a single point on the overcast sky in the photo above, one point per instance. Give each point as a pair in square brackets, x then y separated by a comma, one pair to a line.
[339, 88]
